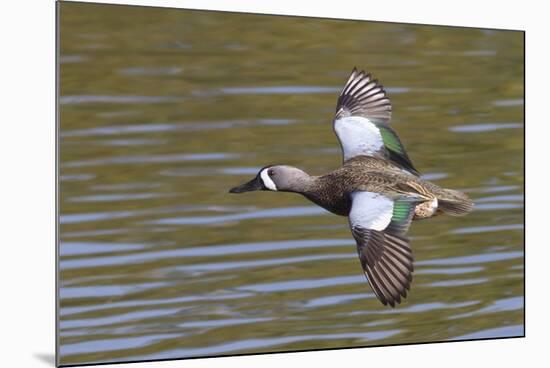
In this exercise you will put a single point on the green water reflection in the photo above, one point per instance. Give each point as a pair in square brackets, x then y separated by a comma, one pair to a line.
[162, 111]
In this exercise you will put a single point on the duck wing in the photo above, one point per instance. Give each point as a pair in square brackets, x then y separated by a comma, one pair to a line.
[379, 224]
[363, 113]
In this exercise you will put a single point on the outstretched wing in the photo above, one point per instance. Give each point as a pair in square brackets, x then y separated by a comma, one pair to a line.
[363, 113]
[379, 224]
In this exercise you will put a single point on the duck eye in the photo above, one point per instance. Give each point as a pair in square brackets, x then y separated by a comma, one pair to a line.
[270, 172]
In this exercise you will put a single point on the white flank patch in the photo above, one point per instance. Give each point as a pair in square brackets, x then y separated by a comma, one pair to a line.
[358, 136]
[269, 184]
[370, 210]
[433, 205]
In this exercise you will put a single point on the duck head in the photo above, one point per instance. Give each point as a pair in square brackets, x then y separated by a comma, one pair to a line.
[276, 178]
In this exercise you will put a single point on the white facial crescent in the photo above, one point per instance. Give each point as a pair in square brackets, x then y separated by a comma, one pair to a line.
[269, 184]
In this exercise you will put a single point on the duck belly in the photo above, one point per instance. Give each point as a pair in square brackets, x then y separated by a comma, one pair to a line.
[336, 203]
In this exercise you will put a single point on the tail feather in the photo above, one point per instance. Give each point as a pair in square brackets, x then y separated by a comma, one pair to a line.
[455, 203]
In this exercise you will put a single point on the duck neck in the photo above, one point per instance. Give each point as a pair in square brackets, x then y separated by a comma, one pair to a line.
[301, 183]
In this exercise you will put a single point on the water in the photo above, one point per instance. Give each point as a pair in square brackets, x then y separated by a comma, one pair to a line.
[163, 111]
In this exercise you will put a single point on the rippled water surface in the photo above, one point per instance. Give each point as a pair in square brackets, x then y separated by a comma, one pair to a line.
[162, 111]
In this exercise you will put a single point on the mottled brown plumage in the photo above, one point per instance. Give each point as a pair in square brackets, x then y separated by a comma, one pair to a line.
[370, 174]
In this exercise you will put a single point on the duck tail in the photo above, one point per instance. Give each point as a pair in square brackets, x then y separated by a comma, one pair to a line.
[454, 203]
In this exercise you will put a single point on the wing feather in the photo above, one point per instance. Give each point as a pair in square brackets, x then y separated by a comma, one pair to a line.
[363, 112]
[378, 224]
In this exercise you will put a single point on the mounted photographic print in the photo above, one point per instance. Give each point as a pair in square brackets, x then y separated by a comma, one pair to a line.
[234, 183]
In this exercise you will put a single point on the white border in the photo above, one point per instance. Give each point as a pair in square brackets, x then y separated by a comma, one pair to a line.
[27, 185]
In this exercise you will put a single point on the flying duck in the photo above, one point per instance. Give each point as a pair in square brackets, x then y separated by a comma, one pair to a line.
[377, 187]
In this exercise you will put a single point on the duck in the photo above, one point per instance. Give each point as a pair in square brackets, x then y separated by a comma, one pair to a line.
[377, 187]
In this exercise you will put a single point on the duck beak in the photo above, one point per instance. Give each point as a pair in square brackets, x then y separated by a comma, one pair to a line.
[254, 184]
